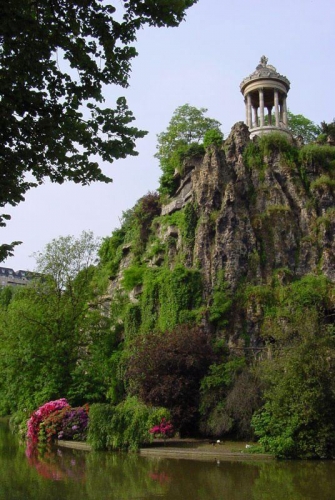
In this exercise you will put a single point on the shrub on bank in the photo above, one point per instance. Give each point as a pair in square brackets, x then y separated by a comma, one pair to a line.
[125, 426]
[57, 420]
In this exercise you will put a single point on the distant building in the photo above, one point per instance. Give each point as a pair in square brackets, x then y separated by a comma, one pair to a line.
[14, 278]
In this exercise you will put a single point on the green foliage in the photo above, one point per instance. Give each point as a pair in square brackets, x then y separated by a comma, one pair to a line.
[181, 140]
[221, 302]
[253, 157]
[222, 375]
[186, 220]
[165, 369]
[110, 245]
[213, 137]
[133, 276]
[321, 139]
[156, 247]
[297, 417]
[132, 321]
[316, 155]
[175, 163]
[322, 182]
[168, 182]
[6, 295]
[43, 101]
[133, 235]
[146, 209]
[100, 425]
[299, 125]
[167, 294]
[230, 394]
[125, 426]
[188, 124]
[309, 291]
[64, 257]
[150, 300]
[328, 129]
[263, 294]
[278, 142]
[180, 290]
[189, 224]
[46, 332]
[93, 372]
[255, 152]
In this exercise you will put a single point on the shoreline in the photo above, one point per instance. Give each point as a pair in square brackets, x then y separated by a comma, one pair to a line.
[188, 450]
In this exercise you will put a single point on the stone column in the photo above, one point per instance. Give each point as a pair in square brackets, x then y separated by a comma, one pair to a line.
[249, 121]
[276, 99]
[270, 115]
[261, 107]
[255, 123]
[285, 112]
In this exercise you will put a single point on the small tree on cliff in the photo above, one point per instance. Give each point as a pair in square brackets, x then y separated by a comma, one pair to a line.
[187, 128]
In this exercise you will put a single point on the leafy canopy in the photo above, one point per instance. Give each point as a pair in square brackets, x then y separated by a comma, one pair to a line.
[55, 59]
[52, 343]
[65, 257]
[166, 369]
[300, 125]
[187, 125]
[187, 128]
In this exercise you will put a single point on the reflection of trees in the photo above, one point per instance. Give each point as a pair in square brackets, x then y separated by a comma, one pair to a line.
[209, 480]
[123, 476]
[57, 465]
[111, 476]
[295, 480]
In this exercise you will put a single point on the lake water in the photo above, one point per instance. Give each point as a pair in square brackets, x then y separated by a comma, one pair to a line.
[65, 474]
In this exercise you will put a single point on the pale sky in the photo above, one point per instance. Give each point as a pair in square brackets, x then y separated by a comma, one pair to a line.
[202, 62]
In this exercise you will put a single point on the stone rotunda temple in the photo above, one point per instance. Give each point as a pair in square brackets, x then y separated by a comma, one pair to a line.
[265, 93]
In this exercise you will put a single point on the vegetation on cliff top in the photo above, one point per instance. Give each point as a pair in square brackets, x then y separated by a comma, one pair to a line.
[182, 139]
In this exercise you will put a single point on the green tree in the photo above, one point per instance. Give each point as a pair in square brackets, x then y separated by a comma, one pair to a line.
[300, 125]
[46, 330]
[65, 257]
[55, 59]
[297, 420]
[297, 417]
[187, 126]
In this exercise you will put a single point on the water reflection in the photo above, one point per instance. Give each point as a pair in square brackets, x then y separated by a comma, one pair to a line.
[56, 464]
[72, 474]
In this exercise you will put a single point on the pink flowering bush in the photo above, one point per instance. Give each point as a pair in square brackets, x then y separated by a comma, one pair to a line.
[164, 429]
[34, 423]
[57, 420]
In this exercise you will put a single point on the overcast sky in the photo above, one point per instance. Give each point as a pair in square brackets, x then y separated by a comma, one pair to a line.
[202, 62]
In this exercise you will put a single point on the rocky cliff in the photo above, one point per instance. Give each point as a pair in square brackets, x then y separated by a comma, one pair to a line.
[243, 216]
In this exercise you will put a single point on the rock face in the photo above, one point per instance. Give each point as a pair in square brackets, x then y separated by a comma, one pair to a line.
[258, 217]
[253, 222]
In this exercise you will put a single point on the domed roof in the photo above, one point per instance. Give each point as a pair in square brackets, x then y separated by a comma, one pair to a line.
[264, 71]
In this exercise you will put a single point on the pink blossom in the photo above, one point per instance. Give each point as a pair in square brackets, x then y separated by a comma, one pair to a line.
[164, 429]
[39, 415]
